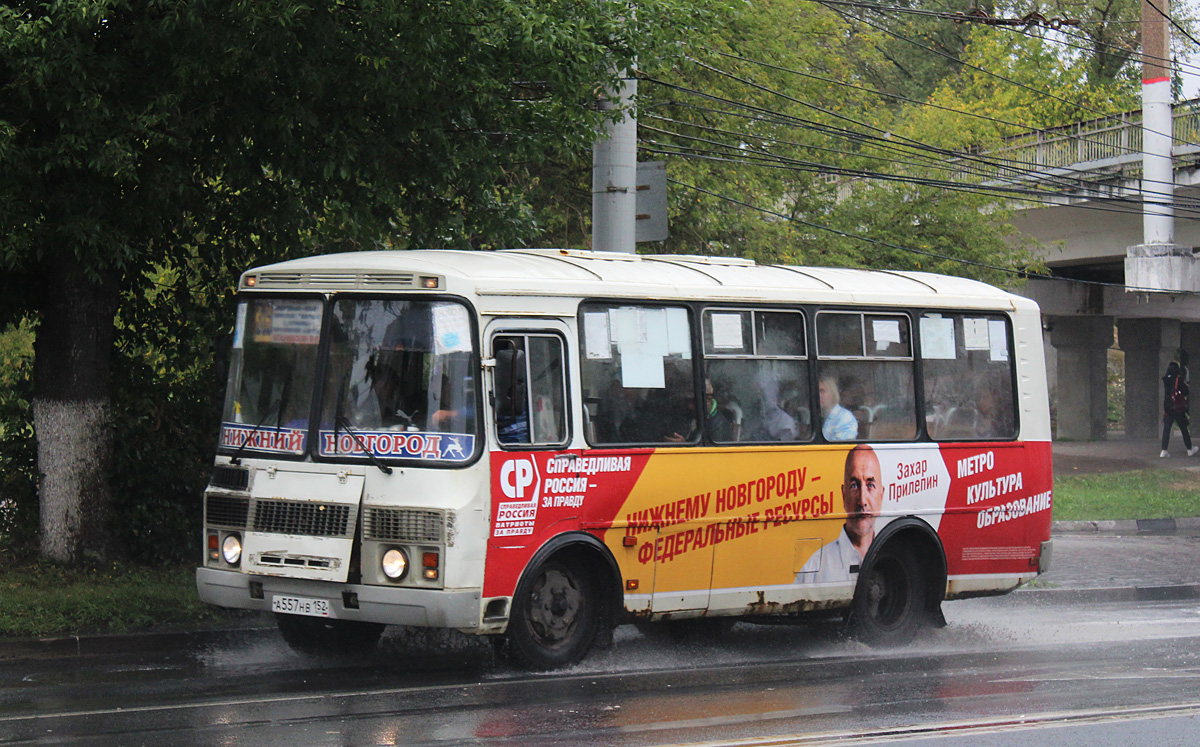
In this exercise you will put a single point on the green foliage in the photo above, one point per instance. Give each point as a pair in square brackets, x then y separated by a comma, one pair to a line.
[763, 115]
[977, 105]
[171, 144]
[134, 127]
[18, 449]
[918, 228]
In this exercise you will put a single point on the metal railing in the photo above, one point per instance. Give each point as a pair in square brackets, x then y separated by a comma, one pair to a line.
[1099, 149]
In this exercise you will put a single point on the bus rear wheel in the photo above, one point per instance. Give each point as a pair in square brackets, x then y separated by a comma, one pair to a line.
[554, 618]
[890, 600]
[318, 636]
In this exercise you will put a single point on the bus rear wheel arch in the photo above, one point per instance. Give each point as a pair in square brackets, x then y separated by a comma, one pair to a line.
[899, 590]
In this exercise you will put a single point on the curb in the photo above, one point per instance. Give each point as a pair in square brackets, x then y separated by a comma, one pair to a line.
[1127, 526]
[122, 643]
[1173, 593]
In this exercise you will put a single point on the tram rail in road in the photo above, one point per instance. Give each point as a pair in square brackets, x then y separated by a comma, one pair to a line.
[763, 686]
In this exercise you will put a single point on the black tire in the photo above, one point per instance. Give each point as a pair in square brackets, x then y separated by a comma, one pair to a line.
[554, 617]
[317, 636]
[891, 598]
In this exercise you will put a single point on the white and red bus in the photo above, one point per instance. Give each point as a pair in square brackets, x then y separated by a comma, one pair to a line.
[542, 444]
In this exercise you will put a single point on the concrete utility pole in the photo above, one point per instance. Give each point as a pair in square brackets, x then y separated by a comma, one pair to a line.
[1158, 174]
[614, 174]
[1158, 263]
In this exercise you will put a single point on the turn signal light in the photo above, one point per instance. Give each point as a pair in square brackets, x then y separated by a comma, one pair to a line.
[429, 561]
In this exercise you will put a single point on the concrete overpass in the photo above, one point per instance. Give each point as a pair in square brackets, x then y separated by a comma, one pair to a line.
[1094, 214]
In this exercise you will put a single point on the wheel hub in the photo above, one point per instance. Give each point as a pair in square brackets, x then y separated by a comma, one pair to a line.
[555, 606]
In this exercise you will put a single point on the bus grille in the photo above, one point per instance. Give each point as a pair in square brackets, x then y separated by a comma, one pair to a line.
[301, 517]
[404, 525]
[230, 478]
[226, 511]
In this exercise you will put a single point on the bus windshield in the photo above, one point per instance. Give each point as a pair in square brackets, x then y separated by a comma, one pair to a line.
[400, 383]
[269, 397]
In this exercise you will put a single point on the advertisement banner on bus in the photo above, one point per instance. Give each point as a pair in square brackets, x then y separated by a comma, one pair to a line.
[769, 517]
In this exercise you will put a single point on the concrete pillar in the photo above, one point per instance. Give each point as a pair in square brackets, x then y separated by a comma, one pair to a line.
[1082, 344]
[1189, 340]
[1149, 345]
[1051, 367]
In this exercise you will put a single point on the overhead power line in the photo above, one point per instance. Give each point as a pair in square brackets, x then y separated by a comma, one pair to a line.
[886, 140]
[897, 97]
[765, 161]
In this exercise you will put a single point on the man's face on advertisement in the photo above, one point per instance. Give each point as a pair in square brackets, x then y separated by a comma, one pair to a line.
[862, 491]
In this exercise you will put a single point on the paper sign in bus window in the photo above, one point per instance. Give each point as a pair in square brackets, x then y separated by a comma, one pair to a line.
[654, 323]
[937, 337]
[641, 371]
[727, 331]
[999, 338]
[451, 329]
[975, 334]
[886, 331]
[679, 334]
[595, 336]
[627, 326]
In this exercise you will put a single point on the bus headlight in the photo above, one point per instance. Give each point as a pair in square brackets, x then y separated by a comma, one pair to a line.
[231, 549]
[394, 563]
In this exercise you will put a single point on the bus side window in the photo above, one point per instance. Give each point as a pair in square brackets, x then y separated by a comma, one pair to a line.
[756, 375]
[865, 379]
[529, 394]
[638, 380]
[967, 365]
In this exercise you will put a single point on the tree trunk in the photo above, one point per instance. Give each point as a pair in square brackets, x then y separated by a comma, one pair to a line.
[71, 410]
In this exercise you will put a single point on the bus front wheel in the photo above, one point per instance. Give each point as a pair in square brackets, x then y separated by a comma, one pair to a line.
[554, 618]
[890, 600]
[318, 636]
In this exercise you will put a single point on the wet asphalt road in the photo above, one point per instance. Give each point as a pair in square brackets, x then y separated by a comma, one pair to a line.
[1033, 668]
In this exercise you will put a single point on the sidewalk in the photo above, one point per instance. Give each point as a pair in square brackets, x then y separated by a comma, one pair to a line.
[1120, 454]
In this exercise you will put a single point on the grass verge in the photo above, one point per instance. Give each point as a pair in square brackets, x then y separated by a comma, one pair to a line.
[42, 599]
[1143, 494]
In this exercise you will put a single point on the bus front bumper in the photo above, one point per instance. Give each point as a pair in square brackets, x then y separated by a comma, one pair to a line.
[425, 608]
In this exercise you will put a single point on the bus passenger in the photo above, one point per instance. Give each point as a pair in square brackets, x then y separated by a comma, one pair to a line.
[838, 424]
[773, 423]
[722, 425]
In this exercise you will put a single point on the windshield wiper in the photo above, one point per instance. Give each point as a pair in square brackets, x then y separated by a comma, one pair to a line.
[237, 455]
[344, 422]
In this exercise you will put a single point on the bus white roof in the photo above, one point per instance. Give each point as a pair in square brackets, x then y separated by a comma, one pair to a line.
[568, 272]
